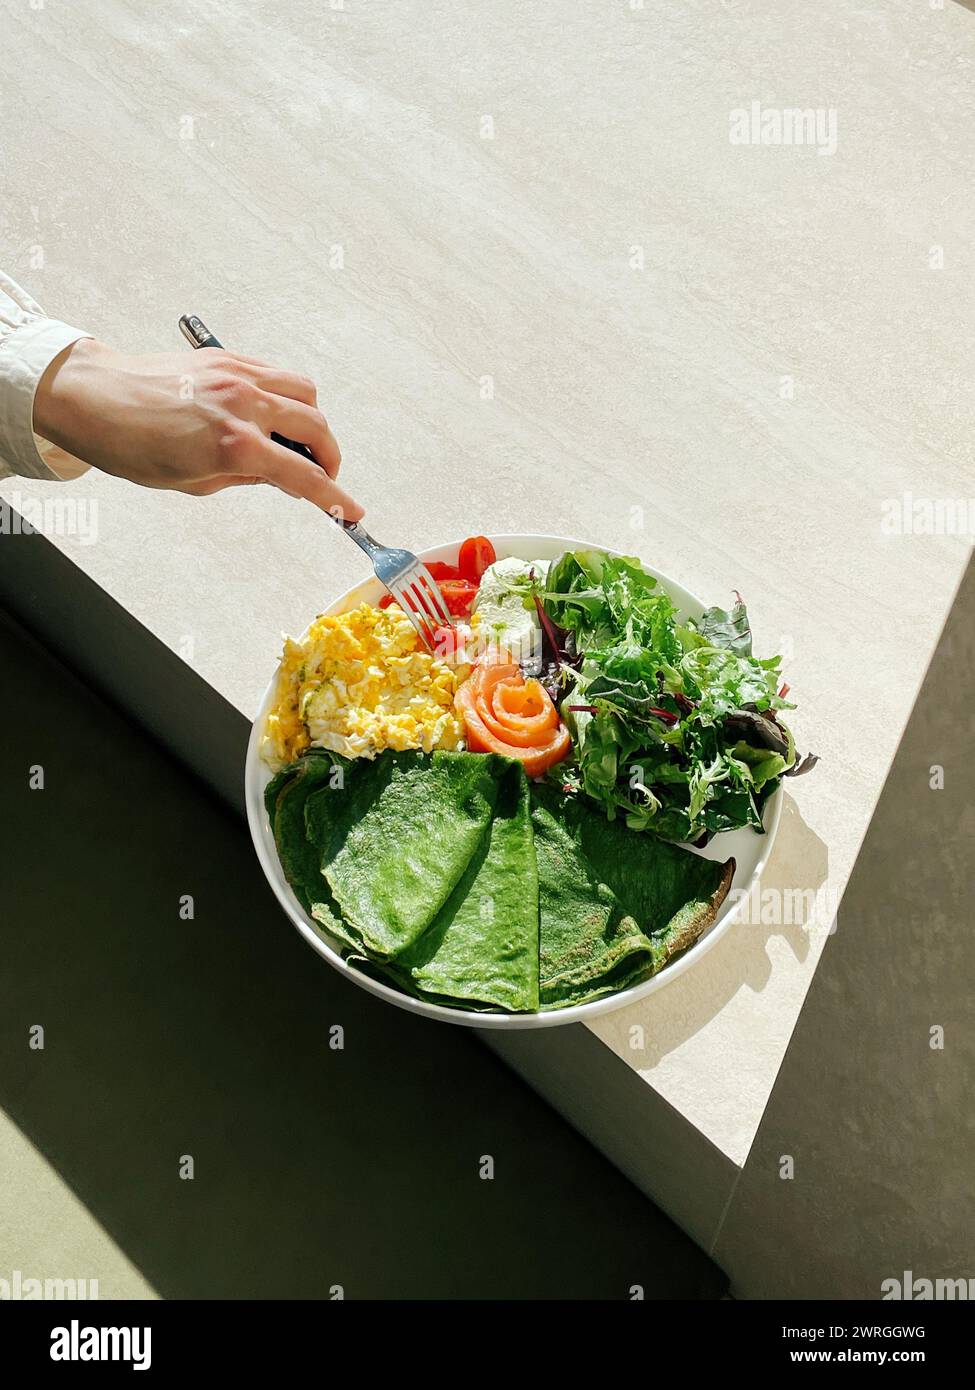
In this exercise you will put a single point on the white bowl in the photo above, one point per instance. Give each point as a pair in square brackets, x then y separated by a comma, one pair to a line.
[749, 849]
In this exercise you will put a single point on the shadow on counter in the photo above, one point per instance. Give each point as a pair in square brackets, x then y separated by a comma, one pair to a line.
[314, 1167]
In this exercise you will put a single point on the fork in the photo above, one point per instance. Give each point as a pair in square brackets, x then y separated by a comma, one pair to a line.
[400, 571]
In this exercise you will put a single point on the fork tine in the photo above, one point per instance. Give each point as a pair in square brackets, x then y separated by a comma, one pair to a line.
[419, 595]
[434, 597]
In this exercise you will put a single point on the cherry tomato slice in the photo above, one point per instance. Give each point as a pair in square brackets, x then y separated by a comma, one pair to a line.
[458, 595]
[441, 571]
[476, 554]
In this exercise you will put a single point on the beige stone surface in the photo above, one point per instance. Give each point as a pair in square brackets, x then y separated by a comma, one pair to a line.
[48, 1234]
[606, 321]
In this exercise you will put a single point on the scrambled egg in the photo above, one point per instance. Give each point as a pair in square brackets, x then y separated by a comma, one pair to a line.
[359, 683]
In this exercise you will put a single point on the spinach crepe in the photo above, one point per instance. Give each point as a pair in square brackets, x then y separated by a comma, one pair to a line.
[397, 837]
[455, 879]
[285, 798]
[614, 905]
[483, 944]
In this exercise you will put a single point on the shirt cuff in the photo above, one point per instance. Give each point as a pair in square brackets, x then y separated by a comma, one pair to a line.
[25, 355]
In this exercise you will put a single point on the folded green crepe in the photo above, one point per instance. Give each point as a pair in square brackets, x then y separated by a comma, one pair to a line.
[396, 839]
[614, 905]
[482, 948]
[285, 798]
[454, 879]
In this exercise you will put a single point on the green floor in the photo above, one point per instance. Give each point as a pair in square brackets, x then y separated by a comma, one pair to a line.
[209, 1037]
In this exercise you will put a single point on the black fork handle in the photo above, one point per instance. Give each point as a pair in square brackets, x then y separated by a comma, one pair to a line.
[196, 333]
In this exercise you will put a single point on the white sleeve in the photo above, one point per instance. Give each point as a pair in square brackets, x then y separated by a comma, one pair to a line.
[29, 343]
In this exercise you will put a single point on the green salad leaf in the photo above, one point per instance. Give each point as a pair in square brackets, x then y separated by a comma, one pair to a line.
[732, 629]
[676, 725]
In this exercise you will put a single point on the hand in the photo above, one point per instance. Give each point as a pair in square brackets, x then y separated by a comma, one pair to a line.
[195, 422]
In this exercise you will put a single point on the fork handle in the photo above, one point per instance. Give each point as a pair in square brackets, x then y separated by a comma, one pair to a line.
[196, 333]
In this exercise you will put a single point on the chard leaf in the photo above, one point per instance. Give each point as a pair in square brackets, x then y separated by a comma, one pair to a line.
[758, 729]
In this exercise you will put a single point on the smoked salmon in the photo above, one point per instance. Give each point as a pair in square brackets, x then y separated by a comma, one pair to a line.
[503, 713]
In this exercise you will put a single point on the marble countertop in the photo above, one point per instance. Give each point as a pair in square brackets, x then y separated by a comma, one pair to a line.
[544, 288]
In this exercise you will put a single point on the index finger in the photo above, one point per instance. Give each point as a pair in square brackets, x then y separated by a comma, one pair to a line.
[299, 478]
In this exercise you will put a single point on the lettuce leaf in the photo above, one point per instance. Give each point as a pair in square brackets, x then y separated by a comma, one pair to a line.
[732, 629]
